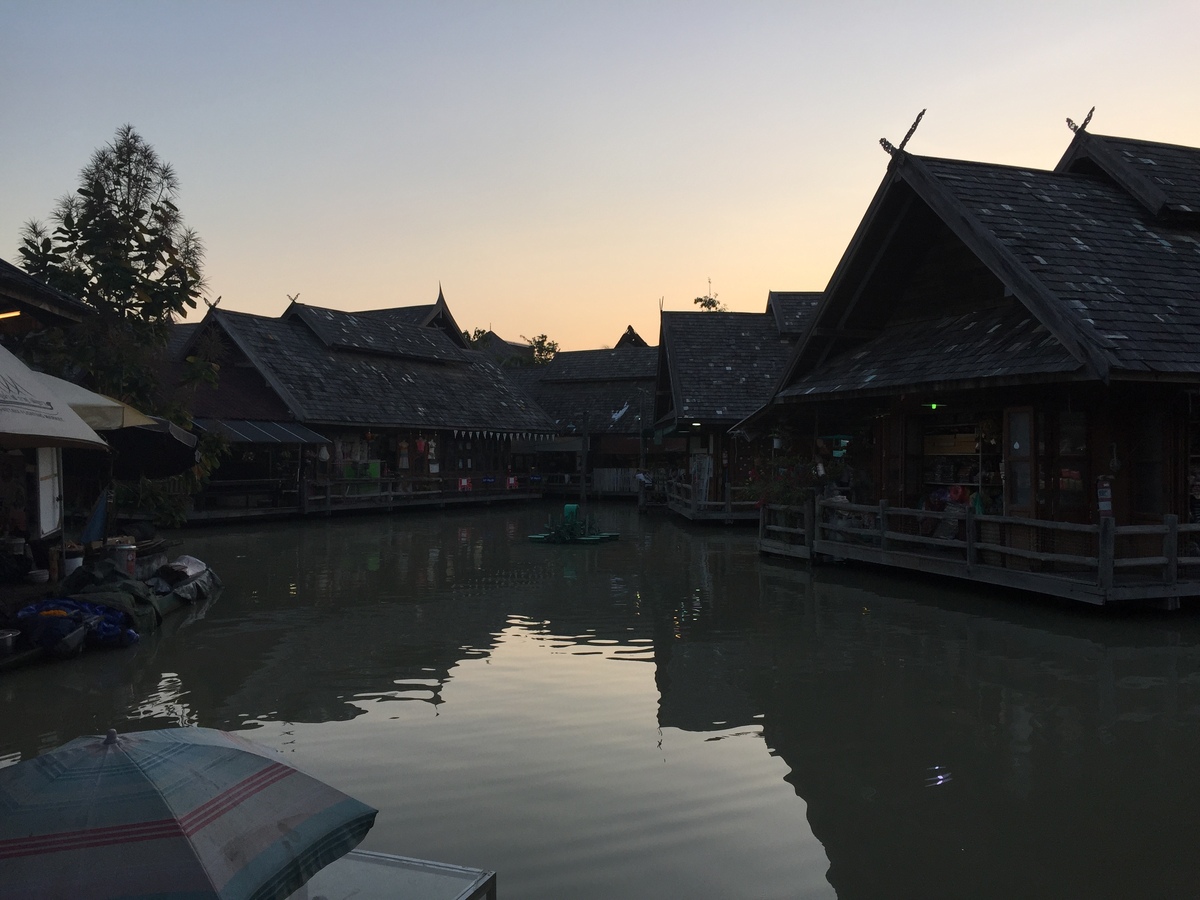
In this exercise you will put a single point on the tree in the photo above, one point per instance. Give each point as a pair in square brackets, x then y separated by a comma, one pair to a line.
[478, 339]
[118, 244]
[544, 349]
[709, 302]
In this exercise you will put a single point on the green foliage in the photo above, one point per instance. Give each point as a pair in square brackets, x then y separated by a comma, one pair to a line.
[119, 245]
[709, 302]
[167, 500]
[478, 339]
[786, 480]
[544, 349]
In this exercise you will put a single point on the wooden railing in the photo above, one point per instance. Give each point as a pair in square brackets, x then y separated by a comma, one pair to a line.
[740, 501]
[1130, 561]
[323, 494]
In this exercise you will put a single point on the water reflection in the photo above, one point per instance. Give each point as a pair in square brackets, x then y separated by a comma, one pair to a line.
[779, 734]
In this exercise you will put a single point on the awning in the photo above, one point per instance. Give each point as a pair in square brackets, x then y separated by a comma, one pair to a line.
[158, 450]
[245, 431]
[101, 412]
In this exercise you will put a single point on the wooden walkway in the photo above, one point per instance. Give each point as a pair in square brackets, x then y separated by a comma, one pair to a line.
[1097, 564]
[736, 507]
[323, 497]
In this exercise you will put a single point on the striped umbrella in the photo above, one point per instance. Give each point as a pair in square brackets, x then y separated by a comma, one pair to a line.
[175, 813]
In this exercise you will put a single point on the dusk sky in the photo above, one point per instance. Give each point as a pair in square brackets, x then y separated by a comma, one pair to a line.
[559, 167]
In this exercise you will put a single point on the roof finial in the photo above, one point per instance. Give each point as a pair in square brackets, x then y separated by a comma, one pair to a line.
[1082, 125]
[887, 145]
[292, 298]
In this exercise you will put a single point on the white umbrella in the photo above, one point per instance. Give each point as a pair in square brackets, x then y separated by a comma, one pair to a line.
[101, 412]
[32, 415]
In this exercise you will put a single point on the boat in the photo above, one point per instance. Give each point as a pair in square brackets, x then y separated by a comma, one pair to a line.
[102, 605]
[573, 529]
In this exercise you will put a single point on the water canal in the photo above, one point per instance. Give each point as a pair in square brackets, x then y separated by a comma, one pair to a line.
[671, 715]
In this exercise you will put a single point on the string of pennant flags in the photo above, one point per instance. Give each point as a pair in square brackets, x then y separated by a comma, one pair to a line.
[506, 435]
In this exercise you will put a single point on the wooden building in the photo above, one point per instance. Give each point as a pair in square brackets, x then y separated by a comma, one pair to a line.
[1021, 347]
[337, 410]
[27, 304]
[600, 402]
[715, 369]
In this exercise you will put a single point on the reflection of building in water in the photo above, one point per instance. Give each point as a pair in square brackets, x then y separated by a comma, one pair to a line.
[961, 751]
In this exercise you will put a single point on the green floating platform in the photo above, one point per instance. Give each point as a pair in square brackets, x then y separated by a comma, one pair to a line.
[572, 529]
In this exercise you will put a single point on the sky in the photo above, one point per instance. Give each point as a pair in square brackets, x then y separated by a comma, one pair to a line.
[559, 168]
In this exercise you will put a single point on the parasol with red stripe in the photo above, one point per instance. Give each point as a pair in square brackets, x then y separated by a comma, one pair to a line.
[174, 813]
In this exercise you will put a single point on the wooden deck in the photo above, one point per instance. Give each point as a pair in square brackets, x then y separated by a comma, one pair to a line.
[1097, 564]
[264, 499]
[736, 507]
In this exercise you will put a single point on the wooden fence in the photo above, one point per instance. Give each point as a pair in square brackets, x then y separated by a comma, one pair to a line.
[1098, 563]
[739, 504]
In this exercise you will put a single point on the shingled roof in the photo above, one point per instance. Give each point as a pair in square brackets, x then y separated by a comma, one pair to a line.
[717, 367]
[335, 369]
[1111, 287]
[1165, 178]
[793, 310]
[430, 315]
[29, 294]
[613, 388]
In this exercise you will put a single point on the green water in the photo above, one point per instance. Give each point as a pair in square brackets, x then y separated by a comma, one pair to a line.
[671, 715]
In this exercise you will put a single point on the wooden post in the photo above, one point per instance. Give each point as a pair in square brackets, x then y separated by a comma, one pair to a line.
[970, 539]
[883, 529]
[1107, 551]
[583, 463]
[810, 525]
[728, 503]
[1171, 549]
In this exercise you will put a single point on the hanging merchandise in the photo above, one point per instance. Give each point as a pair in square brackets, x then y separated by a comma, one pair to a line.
[402, 461]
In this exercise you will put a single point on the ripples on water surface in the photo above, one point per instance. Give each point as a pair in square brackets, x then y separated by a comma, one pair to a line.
[672, 716]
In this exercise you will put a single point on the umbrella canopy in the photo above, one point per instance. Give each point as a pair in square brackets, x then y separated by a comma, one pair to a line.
[100, 411]
[158, 450]
[32, 415]
[174, 813]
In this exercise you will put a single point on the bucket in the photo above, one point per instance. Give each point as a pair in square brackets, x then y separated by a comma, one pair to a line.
[125, 556]
[71, 564]
[8, 640]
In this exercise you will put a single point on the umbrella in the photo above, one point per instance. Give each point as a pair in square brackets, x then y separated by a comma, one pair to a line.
[158, 450]
[173, 813]
[100, 411]
[33, 415]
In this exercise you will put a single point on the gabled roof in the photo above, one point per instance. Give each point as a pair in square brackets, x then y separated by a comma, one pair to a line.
[631, 338]
[507, 353]
[717, 367]
[29, 294]
[1164, 178]
[432, 315]
[327, 382]
[620, 363]
[613, 388]
[375, 334]
[793, 310]
[1116, 289]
